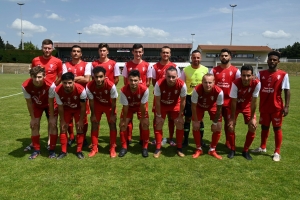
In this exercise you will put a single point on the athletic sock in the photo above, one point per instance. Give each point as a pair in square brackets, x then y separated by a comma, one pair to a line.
[231, 138]
[113, 138]
[63, 142]
[171, 126]
[179, 138]
[129, 130]
[53, 141]
[145, 138]
[249, 139]
[278, 140]
[197, 138]
[79, 140]
[158, 138]
[36, 142]
[202, 130]
[71, 131]
[186, 132]
[215, 139]
[264, 138]
[124, 137]
[94, 137]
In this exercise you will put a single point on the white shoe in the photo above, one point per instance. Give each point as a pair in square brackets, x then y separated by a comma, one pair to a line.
[276, 157]
[259, 150]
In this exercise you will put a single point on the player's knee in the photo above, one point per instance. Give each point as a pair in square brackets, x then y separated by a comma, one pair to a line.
[219, 126]
[179, 126]
[251, 128]
[263, 127]
[112, 126]
[277, 128]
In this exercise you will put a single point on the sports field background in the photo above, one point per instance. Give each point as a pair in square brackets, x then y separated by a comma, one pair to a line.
[135, 177]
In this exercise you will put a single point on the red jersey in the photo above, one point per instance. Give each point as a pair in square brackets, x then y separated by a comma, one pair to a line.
[111, 67]
[80, 69]
[102, 95]
[53, 67]
[70, 100]
[244, 94]
[159, 70]
[224, 78]
[143, 68]
[38, 95]
[207, 101]
[170, 96]
[134, 100]
[272, 84]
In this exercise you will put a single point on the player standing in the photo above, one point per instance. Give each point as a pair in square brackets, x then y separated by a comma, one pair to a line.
[271, 107]
[244, 92]
[169, 95]
[102, 94]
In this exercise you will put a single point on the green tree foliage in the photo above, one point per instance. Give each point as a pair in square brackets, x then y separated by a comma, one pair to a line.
[2, 44]
[291, 51]
[28, 46]
[9, 46]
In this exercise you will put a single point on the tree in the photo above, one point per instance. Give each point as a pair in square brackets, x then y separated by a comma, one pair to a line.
[291, 51]
[9, 46]
[28, 46]
[2, 44]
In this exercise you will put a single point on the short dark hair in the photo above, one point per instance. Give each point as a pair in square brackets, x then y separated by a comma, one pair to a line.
[226, 50]
[196, 51]
[37, 69]
[47, 41]
[68, 76]
[98, 69]
[137, 46]
[103, 45]
[247, 68]
[274, 53]
[172, 68]
[76, 46]
[165, 47]
[134, 73]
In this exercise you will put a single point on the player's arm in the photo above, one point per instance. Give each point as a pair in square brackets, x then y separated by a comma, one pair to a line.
[153, 81]
[59, 73]
[113, 97]
[233, 99]
[92, 104]
[51, 95]
[27, 96]
[153, 77]
[124, 102]
[83, 97]
[125, 75]
[287, 96]
[116, 80]
[63, 123]
[149, 76]
[194, 100]
[182, 104]
[217, 126]
[116, 74]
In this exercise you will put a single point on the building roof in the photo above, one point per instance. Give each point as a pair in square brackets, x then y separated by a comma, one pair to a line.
[125, 45]
[233, 48]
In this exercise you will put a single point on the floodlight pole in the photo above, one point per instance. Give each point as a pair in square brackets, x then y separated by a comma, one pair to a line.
[192, 39]
[232, 5]
[22, 44]
[79, 33]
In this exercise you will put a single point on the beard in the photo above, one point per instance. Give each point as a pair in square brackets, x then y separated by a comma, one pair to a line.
[224, 61]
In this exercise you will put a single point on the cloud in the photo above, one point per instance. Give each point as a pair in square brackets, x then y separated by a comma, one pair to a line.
[37, 15]
[245, 34]
[77, 20]
[209, 43]
[55, 17]
[276, 35]
[28, 27]
[134, 31]
[224, 10]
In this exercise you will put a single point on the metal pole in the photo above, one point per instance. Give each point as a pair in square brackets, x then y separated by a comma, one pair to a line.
[79, 36]
[232, 5]
[22, 43]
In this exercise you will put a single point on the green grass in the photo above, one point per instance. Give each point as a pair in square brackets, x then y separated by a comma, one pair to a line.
[134, 177]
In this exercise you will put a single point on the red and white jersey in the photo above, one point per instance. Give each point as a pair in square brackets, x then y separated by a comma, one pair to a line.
[134, 100]
[144, 68]
[53, 67]
[159, 70]
[111, 67]
[70, 100]
[207, 100]
[244, 94]
[79, 69]
[272, 83]
[38, 95]
[224, 79]
[170, 96]
[102, 95]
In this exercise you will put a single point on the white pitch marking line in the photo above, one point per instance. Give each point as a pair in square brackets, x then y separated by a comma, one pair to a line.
[11, 95]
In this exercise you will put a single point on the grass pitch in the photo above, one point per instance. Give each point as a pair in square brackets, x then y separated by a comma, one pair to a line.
[135, 177]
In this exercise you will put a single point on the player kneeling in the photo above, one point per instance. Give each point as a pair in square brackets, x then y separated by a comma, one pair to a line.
[207, 97]
[134, 98]
[71, 100]
[102, 94]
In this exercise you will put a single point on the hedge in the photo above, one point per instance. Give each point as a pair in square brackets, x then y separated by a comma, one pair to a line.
[20, 56]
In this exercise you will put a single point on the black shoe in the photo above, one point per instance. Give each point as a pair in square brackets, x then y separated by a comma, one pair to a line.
[145, 153]
[122, 152]
[52, 154]
[80, 155]
[85, 143]
[61, 155]
[231, 154]
[246, 155]
[70, 142]
[34, 155]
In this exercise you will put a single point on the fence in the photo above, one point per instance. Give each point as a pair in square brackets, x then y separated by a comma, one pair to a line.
[15, 68]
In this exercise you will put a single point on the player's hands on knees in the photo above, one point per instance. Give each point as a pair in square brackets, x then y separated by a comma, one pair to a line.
[159, 120]
[113, 118]
[217, 127]
[145, 123]
[93, 119]
[196, 125]
[52, 121]
[252, 125]
[34, 122]
[231, 125]
[80, 125]
[122, 124]
[285, 111]
[63, 125]
[179, 122]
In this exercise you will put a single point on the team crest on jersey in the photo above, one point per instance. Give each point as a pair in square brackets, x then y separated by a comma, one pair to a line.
[249, 89]
[51, 66]
[75, 97]
[164, 91]
[143, 69]
[270, 79]
[94, 92]
[217, 73]
[129, 97]
[278, 77]
[80, 68]
[176, 91]
[105, 91]
[212, 98]
[139, 96]
[109, 66]
[69, 69]
[130, 68]
[263, 77]
[44, 91]
[230, 73]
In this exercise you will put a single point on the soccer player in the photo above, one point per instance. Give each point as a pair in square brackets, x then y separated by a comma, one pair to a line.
[111, 67]
[158, 73]
[145, 74]
[244, 92]
[169, 95]
[225, 74]
[71, 98]
[39, 95]
[192, 76]
[102, 94]
[271, 106]
[207, 97]
[82, 73]
[134, 98]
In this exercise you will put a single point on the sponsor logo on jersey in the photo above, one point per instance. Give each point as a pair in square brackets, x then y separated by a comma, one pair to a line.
[36, 100]
[167, 101]
[268, 90]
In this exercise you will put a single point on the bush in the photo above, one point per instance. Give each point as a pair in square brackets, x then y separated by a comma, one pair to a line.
[20, 56]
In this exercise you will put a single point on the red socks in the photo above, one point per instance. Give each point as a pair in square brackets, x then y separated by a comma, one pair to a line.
[63, 142]
[215, 139]
[71, 131]
[171, 126]
[94, 137]
[129, 130]
[113, 138]
[278, 140]
[197, 138]
[36, 142]
[53, 141]
[158, 137]
[145, 138]
[231, 139]
[249, 139]
[79, 140]
[124, 137]
[179, 138]
[264, 138]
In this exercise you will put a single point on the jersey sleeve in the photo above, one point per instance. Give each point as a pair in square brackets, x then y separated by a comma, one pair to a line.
[59, 68]
[195, 96]
[64, 69]
[83, 94]
[256, 90]
[220, 98]
[238, 74]
[51, 92]
[88, 69]
[113, 92]
[258, 75]
[156, 90]
[25, 93]
[149, 72]
[145, 97]
[233, 91]
[116, 70]
[212, 71]
[124, 71]
[123, 99]
[58, 100]
[89, 93]
[286, 82]
[182, 76]
[183, 91]
[153, 73]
